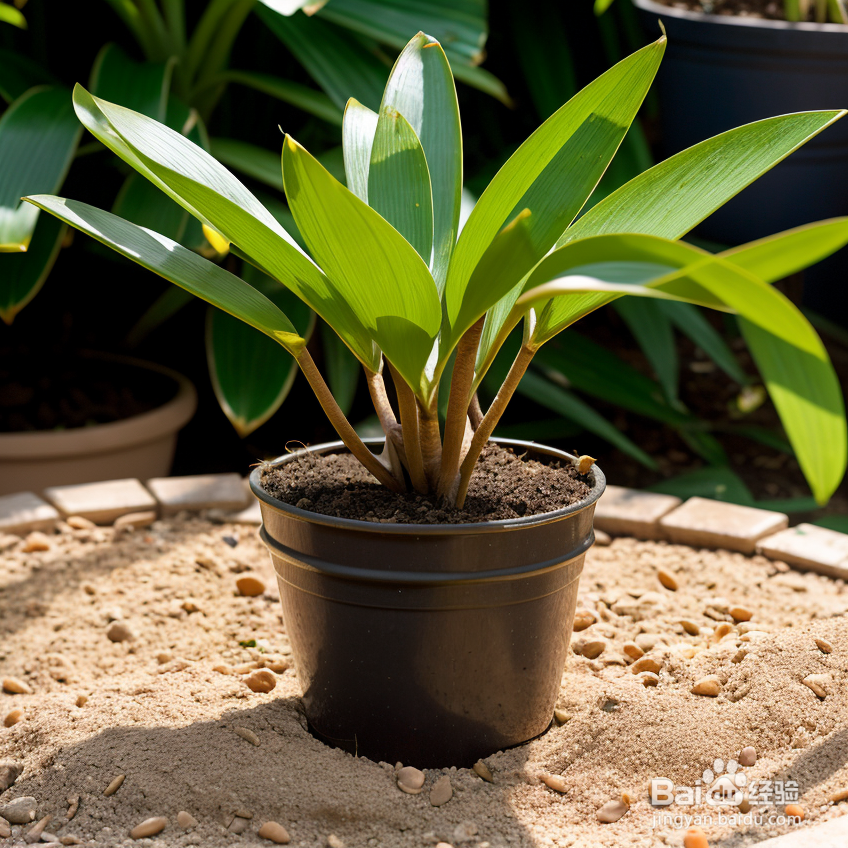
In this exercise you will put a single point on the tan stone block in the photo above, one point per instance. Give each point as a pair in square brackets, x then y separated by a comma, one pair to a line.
[24, 512]
[101, 502]
[202, 491]
[630, 512]
[809, 547]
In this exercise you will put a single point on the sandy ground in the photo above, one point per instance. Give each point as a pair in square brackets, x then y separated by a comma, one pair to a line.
[169, 708]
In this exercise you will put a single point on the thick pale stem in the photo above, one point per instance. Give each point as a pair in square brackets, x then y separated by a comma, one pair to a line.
[460, 392]
[342, 426]
[377, 390]
[491, 418]
[474, 412]
[431, 443]
[409, 425]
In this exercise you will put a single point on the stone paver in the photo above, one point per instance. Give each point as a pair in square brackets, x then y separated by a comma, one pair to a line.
[810, 547]
[25, 512]
[629, 512]
[829, 834]
[203, 491]
[102, 502]
[715, 524]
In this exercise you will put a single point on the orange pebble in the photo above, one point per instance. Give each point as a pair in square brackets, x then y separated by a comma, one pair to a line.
[695, 838]
[794, 811]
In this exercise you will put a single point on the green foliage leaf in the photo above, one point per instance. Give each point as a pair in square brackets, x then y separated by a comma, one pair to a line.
[399, 181]
[140, 86]
[18, 73]
[10, 15]
[717, 483]
[366, 259]
[343, 369]
[358, 129]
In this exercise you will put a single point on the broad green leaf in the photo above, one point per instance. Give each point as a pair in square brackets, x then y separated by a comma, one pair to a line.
[689, 320]
[358, 129]
[23, 274]
[554, 171]
[18, 73]
[421, 88]
[716, 483]
[833, 522]
[705, 444]
[653, 330]
[189, 175]
[334, 58]
[251, 374]
[789, 505]
[484, 81]
[38, 137]
[172, 261]
[380, 275]
[289, 7]
[671, 198]
[342, 368]
[300, 96]
[10, 15]
[399, 181]
[140, 86]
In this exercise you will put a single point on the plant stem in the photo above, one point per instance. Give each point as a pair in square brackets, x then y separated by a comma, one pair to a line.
[491, 418]
[431, 442]
[474, 411]
[342, 426]
[377, 390]
[457, 414]
[409, 424]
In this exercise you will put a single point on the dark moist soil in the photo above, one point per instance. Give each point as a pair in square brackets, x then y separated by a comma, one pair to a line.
[769, 9]
[56, 393]
[503, 485]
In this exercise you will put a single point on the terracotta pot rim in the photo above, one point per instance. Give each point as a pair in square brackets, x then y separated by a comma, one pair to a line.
[114, 436]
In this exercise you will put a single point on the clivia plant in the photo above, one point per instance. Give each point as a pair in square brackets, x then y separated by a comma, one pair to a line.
[440, 644]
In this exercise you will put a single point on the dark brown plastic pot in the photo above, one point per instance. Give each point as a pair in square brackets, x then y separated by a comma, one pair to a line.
[431, 644]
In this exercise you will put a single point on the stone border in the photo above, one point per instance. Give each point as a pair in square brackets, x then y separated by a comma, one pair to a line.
[698, 522]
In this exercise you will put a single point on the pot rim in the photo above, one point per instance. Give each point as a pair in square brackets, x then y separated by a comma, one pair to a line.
[598, 486]
[114, 435]
[737, 20]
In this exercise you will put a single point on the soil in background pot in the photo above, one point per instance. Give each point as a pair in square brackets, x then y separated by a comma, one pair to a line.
[504, 485]
[771, 10]
[39, 392]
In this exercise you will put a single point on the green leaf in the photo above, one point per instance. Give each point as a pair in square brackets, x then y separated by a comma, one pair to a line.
[839, 523]
[23, 274]
[251, 374]
[399, 181]
[421, 88]
[717, 483]
[333, 57]
[484, 81]
[191, 177]
[178, 265]
[300, 96]
[671, 198]
[790, 505]
[38, 137]
[18, 73]
[366, 259]
[11, 15]
[554, 171]
[689, 320]
[140, 86]
[653, 331]
[343, 369]
[358, 129]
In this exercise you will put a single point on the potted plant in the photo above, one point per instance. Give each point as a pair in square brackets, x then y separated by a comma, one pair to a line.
[724, 69]
[428, 592]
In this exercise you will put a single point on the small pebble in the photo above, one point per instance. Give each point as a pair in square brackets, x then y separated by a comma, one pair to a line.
[410, 780]
[164, 657]
[230, 540]
[190, 605]
[5, 829]
[668, 580]
[135, 520]
[709, 686]
[561, 716]
[13, 718]
[593, 648]
[36, 541]
[250, 586]
[721, 631]
[9, 773]
[334, 841]
[646, 663]
[483, 771]
[20, 810]
[583, 618]
[441, 792]
[186, 820]
[794, 811]
[149, 827]
[275, 833]
[824, 646]
[34, 834]
[15, 686]
[247, 734]
[841, 795]
[119, 631]
[744, 805]
[648, 678]
[81, 700]
[740, 614]
[690, 627]
[239, 824]
[73, 806]
[554, 781]
[612, 811]
[819, 683]
[747, 756]
[79, 523]
[443, 845]
[647, 641]
[70, 839]
[632, 650]
[695, 838]
[261, 680]
[602, 539]
[115, 785]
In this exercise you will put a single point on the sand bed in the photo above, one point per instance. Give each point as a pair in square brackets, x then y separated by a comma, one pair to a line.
[170, 709]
